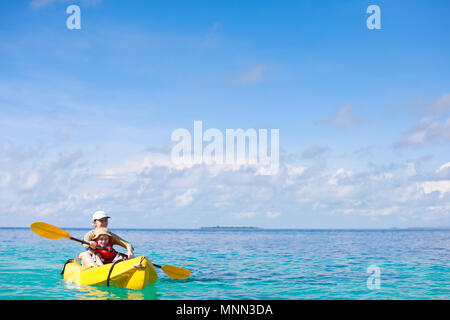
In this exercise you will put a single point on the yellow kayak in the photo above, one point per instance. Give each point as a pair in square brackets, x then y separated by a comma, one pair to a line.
[135, 273]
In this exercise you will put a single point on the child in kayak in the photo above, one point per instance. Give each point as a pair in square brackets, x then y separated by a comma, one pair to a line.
[103, 238]
[100, 220]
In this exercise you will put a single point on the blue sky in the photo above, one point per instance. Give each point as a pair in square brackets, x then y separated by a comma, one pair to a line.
[87, 115]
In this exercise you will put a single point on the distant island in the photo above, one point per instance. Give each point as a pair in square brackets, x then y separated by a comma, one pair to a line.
[422, 228]
[229, 228]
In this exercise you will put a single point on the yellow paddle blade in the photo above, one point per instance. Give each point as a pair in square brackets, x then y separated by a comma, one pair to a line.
[176, 272]
[48, 231]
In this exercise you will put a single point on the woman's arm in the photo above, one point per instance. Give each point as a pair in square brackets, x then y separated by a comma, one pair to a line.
[124, 244]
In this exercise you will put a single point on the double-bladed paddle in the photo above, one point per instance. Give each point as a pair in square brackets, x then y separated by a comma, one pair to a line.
[51, 232]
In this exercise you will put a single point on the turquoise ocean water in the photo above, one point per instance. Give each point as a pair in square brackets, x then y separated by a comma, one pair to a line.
[244, 264]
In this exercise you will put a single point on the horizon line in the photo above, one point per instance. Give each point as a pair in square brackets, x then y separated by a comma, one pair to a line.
[254, 228]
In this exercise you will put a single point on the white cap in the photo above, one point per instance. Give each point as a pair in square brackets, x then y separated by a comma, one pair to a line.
[99, 215]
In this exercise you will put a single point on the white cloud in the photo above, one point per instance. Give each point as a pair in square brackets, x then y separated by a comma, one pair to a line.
[252, 75]
[272, 214]
[443, 167]
[410, 169]
[37, 4]
[74, 182]
[429, 131]
[244, 215]
[186, 198]
[440, 186]
[41, 3]
[371, 212]
[435, 106]
[211, 40]
[293, 174]
[440, 104]
[344, 118]
[5, 179]
[31, 180]
[313, 152]
[340, 175]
